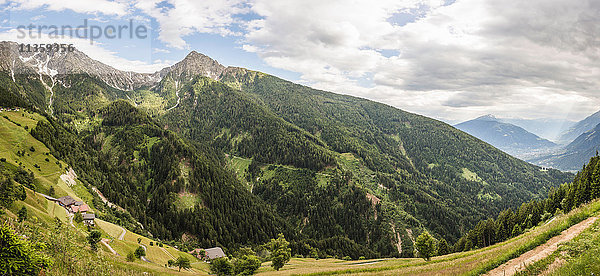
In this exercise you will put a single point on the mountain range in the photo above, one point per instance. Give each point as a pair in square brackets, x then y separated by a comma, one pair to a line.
[547, 128]
[571, 157]
[213, 155]
[580, 128]
[510, 138]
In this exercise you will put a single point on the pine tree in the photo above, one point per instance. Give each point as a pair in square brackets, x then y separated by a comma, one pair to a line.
[443, 247]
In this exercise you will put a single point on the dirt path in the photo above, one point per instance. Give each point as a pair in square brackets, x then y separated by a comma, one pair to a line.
[542, 251]
[142, 257]
[122, 233]
[103, 241]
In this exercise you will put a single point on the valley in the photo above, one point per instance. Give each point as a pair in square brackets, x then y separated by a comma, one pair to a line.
[199, 155]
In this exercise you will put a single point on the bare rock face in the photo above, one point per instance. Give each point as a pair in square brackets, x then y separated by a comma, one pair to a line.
[56, 64]
[60, 63]
[192, 65]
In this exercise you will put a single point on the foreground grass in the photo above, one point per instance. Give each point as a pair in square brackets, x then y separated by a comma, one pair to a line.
[473, 262]
[580, 256]
[583, 254]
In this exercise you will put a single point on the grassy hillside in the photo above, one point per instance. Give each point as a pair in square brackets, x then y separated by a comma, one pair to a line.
[407, 169]
[42, 215]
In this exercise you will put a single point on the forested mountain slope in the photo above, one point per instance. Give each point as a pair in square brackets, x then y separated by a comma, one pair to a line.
[129, 154]
[351, 176]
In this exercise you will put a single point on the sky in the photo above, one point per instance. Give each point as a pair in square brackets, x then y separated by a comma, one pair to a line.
[450, 60]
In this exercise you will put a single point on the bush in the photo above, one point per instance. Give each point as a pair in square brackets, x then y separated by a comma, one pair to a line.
[139, 252]
[131, 257]
[78, 217]
[221, 267]
[246, 265]
[93, 239]
[151, 243]
[22, 214]
[183, 262]
[20, 257]
[347, 258]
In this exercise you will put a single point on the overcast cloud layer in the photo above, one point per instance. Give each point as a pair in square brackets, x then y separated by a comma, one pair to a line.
[450, 60]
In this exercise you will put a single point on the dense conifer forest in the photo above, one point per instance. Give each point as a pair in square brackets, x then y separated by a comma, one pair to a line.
[338, 175]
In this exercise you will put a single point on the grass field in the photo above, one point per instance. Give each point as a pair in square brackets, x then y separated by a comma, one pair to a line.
[239, 166]
[473, 262]
[158, 256]
[15, 138]
[580, 256]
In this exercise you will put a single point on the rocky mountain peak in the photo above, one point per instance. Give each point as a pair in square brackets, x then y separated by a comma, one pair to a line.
[488, 117]
[194, 64]
[57, 64]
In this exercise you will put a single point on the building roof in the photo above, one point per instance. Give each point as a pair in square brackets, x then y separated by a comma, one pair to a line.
[48, 197]
[74, 208]
[214, 253]
[66, 200]
[88, 216]
[78, 203]
[84, 208]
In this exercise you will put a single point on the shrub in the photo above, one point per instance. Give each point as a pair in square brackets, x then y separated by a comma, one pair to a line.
[22, 214]
[20, 257]
[139, 252]
[131, 257]
[246, 265]
[183, 262]
[78, 217]
[221, 267]
[94, 239]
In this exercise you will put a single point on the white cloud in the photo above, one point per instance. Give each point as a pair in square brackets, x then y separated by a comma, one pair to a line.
[536, 58]
[160, 50]
[79, 6]
[180, 18]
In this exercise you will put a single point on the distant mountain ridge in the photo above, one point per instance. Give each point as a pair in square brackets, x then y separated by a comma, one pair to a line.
[582, 141]
[575, 154]
[314, 158]
[547, 128]
[510, 138]
[581, 127]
